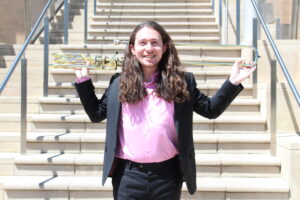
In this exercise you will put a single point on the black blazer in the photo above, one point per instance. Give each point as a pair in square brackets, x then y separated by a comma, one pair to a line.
[109, 107]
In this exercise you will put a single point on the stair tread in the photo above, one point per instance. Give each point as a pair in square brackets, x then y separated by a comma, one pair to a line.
[100, 137]
[198, 119]
[101, 85]
[111, 72]
[50, 117]
[171, 17]
[175, 38]
[105, 85]
[97, 159]
[157, 4]
[162, 23]
[91, 183]
[76, 100]
[155, 10]
[123, 46]
[170, 30]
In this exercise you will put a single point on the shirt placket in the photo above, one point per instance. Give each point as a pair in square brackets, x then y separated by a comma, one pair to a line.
[148, 125]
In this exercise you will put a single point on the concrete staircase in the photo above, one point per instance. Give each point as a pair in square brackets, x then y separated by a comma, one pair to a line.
[65, 150]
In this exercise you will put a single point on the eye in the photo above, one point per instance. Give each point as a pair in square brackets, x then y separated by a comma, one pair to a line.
[142, 43]
[156, 43]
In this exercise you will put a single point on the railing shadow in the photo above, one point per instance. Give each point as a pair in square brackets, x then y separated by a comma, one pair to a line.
[6, 50]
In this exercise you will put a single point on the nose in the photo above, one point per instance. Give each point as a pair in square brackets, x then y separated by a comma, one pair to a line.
[149, 46]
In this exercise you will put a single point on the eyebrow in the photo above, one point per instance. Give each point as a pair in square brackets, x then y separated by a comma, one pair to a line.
[153, 39]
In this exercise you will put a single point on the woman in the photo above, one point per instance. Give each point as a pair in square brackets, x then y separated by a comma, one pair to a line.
[149, 108]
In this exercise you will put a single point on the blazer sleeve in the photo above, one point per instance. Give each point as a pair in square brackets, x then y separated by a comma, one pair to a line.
[212, 107]
[95, 108]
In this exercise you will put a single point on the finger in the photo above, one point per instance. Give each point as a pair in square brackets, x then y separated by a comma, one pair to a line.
[85, 72]
[78, 72]
[239, 62]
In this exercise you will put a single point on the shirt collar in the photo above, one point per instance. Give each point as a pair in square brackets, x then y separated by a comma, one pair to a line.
[153, 80]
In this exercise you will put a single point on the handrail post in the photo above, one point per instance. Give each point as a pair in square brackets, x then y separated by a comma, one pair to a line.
[278, 29]
[213, 6]
[220, 20]
[85, 20]
[273, 107]
[238, 22]
[23, 105]
[254, 41]
[66, 22]
[95, 7]
[226, 22]
[46, 54]
[294, 21]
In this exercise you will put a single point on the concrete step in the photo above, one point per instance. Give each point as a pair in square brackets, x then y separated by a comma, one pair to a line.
[2, 180]
[207, 143]
[68, 89]
[151, 5]
[11, 104]
[152, 12]
[173, 32]
[192, 63]
[25, 187]
[138, 2]
[7, 164]
[10, 122]
[186, 52]
[81, 122]
[106, 39]
[166, 25]
[9, 142]
[74, 10]
[66, 105]
[208, 165]
[67, 75]
[5, 61]
[161, 18]
[152, 1]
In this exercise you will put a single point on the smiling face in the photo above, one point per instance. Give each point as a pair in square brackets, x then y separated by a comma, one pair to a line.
[148, 48]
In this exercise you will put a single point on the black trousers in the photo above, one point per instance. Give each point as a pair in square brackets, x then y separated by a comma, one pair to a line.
[151, 181]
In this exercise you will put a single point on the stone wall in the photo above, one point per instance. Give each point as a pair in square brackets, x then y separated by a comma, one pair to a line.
[13, 26]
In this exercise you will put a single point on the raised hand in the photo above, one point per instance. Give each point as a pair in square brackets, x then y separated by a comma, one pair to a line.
[239, 72]
[83, 72]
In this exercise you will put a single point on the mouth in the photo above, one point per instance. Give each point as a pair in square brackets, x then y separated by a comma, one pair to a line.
[149, 56]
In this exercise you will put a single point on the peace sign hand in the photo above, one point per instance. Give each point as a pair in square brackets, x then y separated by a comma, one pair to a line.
[83, 72]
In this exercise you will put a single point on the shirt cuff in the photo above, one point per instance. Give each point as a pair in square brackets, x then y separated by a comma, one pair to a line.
[82, 79]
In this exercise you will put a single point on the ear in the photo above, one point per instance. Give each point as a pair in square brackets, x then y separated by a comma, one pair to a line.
[165, 47]
[131, 47]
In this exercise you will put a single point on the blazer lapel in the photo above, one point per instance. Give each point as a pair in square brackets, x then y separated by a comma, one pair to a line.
[177, 108]
[177, 117]
[115, 103]
[114, 111]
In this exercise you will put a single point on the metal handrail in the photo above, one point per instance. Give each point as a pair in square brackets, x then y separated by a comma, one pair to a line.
[277, 54]
[32, 41]
[16, 61]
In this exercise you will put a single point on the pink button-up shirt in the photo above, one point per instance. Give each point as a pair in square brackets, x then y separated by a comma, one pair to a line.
[147, 131]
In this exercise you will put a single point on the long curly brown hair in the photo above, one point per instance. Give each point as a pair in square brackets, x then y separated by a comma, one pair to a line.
[171, 85]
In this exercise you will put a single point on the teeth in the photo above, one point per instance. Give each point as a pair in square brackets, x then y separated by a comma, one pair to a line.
[149, 56]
